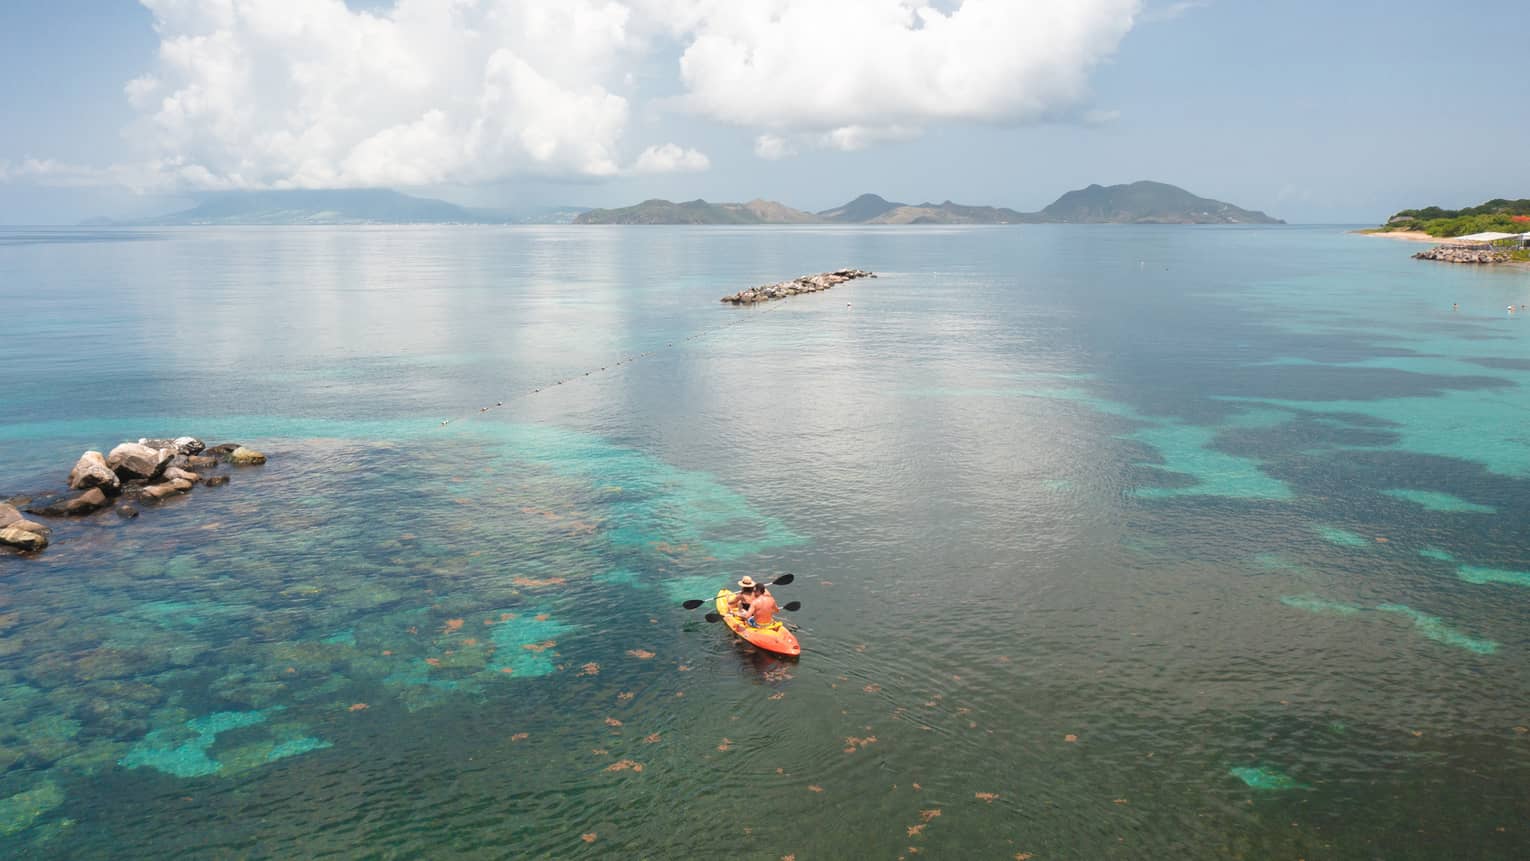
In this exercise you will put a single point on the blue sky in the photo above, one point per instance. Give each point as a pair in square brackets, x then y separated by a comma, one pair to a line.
[1312, 112]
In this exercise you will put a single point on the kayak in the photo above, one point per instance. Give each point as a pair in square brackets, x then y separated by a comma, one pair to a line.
[772, 638]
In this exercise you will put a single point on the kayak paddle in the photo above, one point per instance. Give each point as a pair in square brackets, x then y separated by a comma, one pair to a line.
[790, 606]
[783, 580]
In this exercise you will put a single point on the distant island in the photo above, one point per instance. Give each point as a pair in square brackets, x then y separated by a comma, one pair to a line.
[336, 206]
[1495, 216]
[1137, 203]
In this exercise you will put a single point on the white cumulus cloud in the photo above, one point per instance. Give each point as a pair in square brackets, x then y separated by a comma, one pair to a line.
[311, 93]
[318, 94]
[670, 158]
[773, 147]
[851, 72]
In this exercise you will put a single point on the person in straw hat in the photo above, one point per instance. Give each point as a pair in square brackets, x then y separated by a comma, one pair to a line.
[739, 603]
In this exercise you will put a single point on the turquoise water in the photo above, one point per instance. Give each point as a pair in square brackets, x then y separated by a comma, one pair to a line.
[1112, 543]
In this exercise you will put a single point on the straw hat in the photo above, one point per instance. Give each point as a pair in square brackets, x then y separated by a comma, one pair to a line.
[746, 583]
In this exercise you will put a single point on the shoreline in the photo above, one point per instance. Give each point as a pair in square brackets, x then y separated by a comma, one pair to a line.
[1405, 235]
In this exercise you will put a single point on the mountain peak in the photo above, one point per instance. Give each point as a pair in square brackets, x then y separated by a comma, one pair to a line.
[1146, 202]
[863, 208]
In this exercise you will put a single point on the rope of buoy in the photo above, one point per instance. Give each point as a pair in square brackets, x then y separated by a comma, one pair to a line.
[626, 360]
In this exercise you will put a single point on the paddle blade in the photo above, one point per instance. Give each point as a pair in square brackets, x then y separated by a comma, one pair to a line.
[792, 606]
[784, 579]
[693, 603]
[713, 617]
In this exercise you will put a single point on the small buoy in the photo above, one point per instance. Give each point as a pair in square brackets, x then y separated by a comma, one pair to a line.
[499, 403]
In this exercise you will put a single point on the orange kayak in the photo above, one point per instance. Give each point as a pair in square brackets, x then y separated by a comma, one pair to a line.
[772, 638]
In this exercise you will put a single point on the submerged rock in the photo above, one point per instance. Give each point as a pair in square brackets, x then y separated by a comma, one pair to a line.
[22, 539]
[91, 471]
[20, 811]
[85, 503]
[133, 460]
[75, 506]
[126, 511]
[216, 480]
[242, 456]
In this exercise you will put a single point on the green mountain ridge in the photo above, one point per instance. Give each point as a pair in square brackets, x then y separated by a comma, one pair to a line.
[336, 206]
[1146, 202]
[1137, 203]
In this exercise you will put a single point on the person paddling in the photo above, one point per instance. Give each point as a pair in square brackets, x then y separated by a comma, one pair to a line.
[739, 603]
[762, 608]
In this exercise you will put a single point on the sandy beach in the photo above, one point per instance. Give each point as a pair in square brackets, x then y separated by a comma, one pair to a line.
[1409, 235]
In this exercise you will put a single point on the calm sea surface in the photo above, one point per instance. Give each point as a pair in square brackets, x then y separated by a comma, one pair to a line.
[1112, 542]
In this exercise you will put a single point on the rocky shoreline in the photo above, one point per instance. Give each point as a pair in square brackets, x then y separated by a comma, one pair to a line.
[1458, 254]
[146, 471]
[804, 284]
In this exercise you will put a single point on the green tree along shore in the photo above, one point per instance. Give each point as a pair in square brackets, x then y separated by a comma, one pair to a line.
[1497, 215]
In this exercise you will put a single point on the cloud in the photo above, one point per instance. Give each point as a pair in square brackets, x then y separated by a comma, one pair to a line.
[773, 147]
[853, 72]
[316, 94]
[47, 171]
[310, 93]
[1172, 11]
[670, 158]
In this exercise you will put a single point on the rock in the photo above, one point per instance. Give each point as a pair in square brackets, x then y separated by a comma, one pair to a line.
[30, 542]
[91, 500]
[69, 506]
[178, 473]
[221, 449]
[1462, 254]
[197, 461]
[169, 488]
[181, 444]
[242, 456]
[32, 526]
[126, 511]
[91, 471]
[217, 480]
[132, 460]
[797, 286]
[8, 514]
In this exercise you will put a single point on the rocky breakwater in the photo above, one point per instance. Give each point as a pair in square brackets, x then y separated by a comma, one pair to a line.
[805, 284]
[1462, 254]
[148, 470]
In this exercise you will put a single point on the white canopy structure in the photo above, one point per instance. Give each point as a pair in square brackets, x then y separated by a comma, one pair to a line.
[1487, 237]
